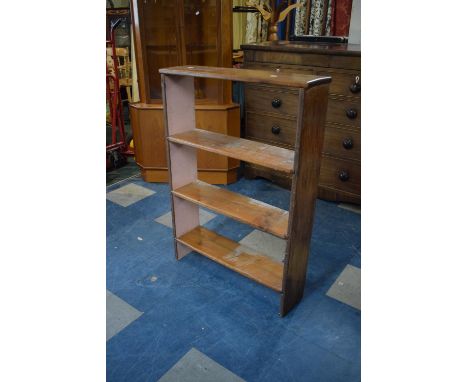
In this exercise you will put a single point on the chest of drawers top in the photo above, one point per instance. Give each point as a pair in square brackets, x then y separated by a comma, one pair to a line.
[303, 53]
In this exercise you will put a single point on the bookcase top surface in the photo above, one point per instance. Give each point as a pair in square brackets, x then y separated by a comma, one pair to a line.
[295, 80]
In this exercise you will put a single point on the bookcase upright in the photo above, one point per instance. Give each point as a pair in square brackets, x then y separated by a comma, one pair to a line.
[188, 193]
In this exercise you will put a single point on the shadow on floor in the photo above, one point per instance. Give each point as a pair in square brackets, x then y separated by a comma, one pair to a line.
[129, 170]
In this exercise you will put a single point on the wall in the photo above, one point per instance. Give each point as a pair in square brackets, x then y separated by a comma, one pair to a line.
[119, 4]
[355, 26]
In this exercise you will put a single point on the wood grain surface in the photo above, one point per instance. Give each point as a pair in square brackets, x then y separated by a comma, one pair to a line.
[342, 63]
[235, 256]
[260, 215]
[248, 75]
[276, 158]
[260, 99]
[309, 144]
[271, 129]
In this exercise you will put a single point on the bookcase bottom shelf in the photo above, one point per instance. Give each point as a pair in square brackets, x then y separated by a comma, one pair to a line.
[235, 256]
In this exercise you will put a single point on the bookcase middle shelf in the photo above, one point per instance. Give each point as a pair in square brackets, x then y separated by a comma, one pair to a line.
[257, 214]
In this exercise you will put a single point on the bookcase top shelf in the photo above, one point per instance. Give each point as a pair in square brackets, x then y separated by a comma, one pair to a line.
[294, 80]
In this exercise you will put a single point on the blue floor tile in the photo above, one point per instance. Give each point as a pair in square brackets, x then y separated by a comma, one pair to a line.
[196, 303]
[301, 360]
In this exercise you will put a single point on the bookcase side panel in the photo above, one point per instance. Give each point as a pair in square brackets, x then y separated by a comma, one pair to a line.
[179, 111]
[309, 143]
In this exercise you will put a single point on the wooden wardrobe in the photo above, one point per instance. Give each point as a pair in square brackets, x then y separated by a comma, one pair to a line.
[182, 32]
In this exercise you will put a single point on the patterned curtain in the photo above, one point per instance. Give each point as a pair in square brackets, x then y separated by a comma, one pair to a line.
[239, 23]
[300, 25]
[327, 17]
[257, 28]
[340, 17]
[318, 16]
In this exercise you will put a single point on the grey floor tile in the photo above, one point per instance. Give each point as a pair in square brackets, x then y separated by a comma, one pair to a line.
[129, 194]
[350, 207]
[166, 219]
[267, 244]
[197, 367]
[347, 287]
[119, 314]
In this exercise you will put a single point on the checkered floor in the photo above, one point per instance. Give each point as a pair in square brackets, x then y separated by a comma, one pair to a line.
[194, 320]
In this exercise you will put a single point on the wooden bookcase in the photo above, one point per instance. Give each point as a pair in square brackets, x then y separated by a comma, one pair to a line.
[302, 163]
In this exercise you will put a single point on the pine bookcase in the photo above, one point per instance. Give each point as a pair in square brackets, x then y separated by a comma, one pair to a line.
[188, 193]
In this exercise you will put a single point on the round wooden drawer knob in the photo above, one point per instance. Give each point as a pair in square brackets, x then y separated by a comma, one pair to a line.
[276, 103]
[355, 88]
[275, 130]
[344, 175]
[351, 113]
[348, 143]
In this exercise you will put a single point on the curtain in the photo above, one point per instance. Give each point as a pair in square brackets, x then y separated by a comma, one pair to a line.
[300, 24]
[323, 17]
[239, 21]
[340, 17]
[257, 28]
[318, 16]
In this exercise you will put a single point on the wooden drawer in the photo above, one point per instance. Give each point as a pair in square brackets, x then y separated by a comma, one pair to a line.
[280, 67]
[287, 58]
[340, 174]
[342, 81]
[271, 99]
[342, 111]
[342, 143]
[304, 59]
[271, 129]
[345, 62]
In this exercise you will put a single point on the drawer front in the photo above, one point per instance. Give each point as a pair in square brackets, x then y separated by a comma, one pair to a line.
[271, 99]
[340, 174]
[343, 81]
[303, 59]
[282, 68]
[346, 84]
[271, 129]
[345, 62]
[342, 143]
[344, 111]
[287, 58]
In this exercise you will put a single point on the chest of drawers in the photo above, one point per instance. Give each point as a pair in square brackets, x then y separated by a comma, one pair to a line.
[271, 111]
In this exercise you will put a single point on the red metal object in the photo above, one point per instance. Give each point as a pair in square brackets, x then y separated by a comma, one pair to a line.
[117, 148]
